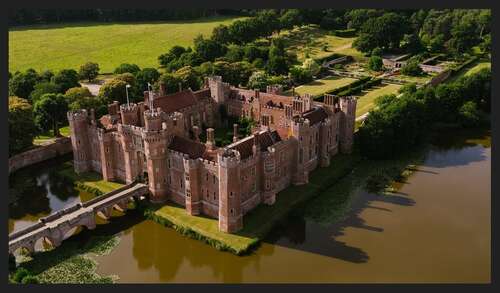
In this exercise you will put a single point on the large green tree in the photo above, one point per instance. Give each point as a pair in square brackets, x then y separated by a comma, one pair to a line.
[89, 71]
[22, 128]
[50, 112]
[22, 84]
[66, 79]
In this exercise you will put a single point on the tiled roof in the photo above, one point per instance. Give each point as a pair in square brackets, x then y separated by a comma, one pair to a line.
[265, 140]
[186, 146]
[175, 102]
[315, 115]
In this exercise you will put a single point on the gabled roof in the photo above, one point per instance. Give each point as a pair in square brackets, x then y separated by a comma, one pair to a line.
[265, 140]
[315, 115]
[175, 102]
[186, 146]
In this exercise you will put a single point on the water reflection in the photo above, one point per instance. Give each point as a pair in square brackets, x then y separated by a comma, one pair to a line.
[38, 191]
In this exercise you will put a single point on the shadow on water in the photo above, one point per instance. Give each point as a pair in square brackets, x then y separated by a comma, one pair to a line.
[300, 233]
[342, 205]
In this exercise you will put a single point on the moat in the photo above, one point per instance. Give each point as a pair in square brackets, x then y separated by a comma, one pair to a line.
[434, 228]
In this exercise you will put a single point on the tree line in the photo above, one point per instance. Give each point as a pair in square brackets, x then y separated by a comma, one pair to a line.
[400, 123]
[48, 16]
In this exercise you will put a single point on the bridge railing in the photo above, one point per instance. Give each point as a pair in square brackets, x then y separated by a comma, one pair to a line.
[109, 194]
[26, 230]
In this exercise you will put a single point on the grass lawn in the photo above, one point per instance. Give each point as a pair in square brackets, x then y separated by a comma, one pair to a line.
[367, 99]
[258, 222]
[58, 47]
[477, 68]
[321, 86]
[313, 40]
[49, 135]
[90, 181]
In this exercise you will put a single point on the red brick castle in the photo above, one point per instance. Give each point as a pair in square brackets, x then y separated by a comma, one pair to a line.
[159, 139]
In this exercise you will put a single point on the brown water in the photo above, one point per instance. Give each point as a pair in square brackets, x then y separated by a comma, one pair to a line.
[435, 228]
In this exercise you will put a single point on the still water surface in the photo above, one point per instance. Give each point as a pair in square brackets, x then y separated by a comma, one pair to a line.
[435, 228]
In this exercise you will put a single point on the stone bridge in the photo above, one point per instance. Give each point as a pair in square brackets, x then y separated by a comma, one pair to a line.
[55, 226]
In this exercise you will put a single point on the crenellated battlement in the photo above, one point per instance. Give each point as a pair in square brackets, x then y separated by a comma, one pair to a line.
[77, 115]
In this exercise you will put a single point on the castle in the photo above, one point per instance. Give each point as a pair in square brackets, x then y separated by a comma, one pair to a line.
[159, 139]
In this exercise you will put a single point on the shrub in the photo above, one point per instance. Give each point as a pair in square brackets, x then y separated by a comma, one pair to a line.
[375, 63]
[126, 67]
[469, 114]
[20, 274]
[412, 68]
[29, 279]
[347, 33]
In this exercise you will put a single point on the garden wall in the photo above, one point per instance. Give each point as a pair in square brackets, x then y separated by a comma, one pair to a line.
[60, 146]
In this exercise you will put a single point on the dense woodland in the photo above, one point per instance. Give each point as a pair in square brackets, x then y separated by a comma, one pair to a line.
[249, 53]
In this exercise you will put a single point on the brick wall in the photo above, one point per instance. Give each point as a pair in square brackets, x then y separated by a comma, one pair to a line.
[59, 147]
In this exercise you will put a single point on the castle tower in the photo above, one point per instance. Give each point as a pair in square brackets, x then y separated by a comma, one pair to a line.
[301, 132]
[347, 121]
[78, 123]
[193, 186]
[230, 212]
[106, 150]
[130, 156]
[218, 89]
[129, 114]
[155, 148]
[269, 193]
[308, 102]
[324, 142]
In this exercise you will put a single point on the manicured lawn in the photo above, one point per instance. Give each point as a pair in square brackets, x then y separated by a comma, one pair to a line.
[478, 67]
[89, 180]
[367, 99]
[48, 136]
[57, 47]
[313, 40]
[258, 222]
[321, 86]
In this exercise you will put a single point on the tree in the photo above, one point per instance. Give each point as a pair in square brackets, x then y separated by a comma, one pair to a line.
[258, 80]
[174, 53]
[300, 75]
[113, 90]
[89, 102]
[411, 43]
[290, 18]
[375, 63]
[66, 79]
[126, 67]
[251, 52]
[22, 84]
[412, 68]
[144, 76]
[385, 31]
[76, 93]
[127, 77]
[50, 112]
[208, 49]
[89, 71]
[22, 128]
[221, 34]
[311, 66]
[46, 76]
[469, 114]
[171, 82]
[189, 78]
[234, 53]
[43, 88]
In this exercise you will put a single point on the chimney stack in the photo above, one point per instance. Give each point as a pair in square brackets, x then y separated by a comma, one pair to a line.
[235, 132]
[210, 139]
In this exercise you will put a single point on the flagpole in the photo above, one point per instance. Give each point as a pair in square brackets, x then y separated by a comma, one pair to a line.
[126, 91]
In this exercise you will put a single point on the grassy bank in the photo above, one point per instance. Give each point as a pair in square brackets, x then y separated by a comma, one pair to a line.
[91, 182]
[58, 47]
[321, 86]
[367, 99]
[258, 222]
[70, 263]
[49, 135]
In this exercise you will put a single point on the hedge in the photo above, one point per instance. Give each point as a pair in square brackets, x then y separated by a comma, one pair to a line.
[351, 85]
[347, 33]
[359, 88]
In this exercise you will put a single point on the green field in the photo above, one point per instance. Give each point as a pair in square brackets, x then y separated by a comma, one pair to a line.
[57, 47]
[313, 40]
[478, 67]
[367, 99]
[321, 86]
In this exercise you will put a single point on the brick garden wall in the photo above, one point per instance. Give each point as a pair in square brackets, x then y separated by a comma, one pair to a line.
[59, 147]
